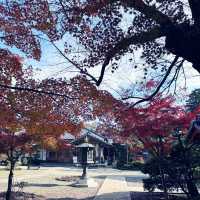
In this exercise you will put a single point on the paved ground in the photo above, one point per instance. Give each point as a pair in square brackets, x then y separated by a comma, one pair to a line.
[42, 182]
[114, 188]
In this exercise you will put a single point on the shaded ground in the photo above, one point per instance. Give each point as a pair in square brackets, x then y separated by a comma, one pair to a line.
[22, 196]
[134, 181]
[68, 178]
[134, 196]
[43, 183]
[154, 196]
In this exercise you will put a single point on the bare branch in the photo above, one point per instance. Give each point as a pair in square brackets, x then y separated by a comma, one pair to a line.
[160, 84]
[175, 76]
[131, 97]
[82, 71]
[80, 68]
[63, 7]
[35, 91]
[185, 80]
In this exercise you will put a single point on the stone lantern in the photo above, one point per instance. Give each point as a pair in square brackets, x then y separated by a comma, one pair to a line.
[84, 180]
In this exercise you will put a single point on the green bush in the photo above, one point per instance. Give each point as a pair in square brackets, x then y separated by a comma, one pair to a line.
[179, 169]
[129, 166]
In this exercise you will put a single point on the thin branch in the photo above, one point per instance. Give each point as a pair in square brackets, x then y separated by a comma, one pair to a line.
[160, 84]
[184, 76]
[174, 77]
[81, 70]
[131, 97]
[63, 7]
[34, 90]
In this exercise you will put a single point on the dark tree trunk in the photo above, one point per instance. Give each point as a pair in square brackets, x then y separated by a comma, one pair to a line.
[10, 179]
[161, 153]
[184, 40]
[191, 186]
[192, 189]
[164, 183]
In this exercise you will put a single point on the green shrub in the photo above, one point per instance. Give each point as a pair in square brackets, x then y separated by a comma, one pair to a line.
[129, 166]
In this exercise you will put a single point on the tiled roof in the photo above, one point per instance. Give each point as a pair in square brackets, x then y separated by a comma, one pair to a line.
[92, 134]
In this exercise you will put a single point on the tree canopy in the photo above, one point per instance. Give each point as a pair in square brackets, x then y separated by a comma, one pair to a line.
[100, 33]
[193, 100]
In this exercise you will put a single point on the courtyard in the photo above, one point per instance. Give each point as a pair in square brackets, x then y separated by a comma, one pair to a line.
[109, 84]
[112, 183]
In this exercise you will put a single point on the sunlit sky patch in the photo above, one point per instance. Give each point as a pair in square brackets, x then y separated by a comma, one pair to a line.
[53, 65]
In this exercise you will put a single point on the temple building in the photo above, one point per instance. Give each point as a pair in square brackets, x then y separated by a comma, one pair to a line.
[102, 153]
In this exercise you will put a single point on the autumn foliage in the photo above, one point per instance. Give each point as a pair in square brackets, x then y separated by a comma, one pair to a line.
[40, 112]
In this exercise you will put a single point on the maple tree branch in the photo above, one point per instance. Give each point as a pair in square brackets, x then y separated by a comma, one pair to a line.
[82, 71]
[160, 84]
[131, 97]
[125, 43]
[185, 79]
[63, 7]
[34, 90]
[149, 11]
[175, 77]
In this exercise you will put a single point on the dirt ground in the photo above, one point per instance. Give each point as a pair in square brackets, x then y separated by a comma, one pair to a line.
[45, 185]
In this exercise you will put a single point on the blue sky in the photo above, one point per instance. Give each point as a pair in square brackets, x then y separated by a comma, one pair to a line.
[52, 64]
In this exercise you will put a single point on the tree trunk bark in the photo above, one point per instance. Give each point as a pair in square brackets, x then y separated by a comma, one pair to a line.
[10, 179]
[191, 186]
[161, 154]
[192, 189]
[164, 184]
[181, 36]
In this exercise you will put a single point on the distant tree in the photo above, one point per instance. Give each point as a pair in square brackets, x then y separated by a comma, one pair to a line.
[29, 118]
[26, 117]
[193, 100]
[13, 145]
[150, 127]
